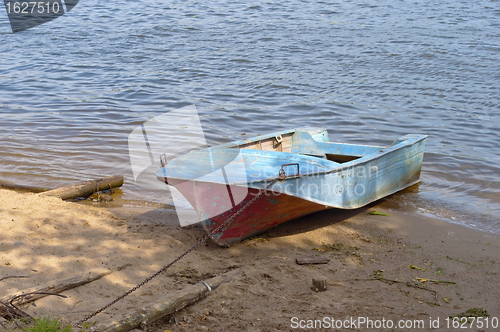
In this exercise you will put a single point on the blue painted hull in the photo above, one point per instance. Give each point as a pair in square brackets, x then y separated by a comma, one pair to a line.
[217, 181]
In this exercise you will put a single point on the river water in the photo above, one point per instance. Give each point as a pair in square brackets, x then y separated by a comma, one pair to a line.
[73, 89]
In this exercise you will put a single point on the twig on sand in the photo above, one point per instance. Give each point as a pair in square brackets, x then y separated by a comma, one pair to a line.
[8, 277]
[406, 283]
[12, 314]
[442, 282]
[56, 287]
[34, 293]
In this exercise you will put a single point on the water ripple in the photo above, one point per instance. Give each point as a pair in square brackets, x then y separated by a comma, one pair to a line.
[73, 89]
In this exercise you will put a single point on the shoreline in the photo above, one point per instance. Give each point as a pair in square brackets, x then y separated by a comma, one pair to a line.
[399, 202]
[48, 239]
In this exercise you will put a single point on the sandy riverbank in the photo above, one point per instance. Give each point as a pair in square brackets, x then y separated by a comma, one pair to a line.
[48, 239]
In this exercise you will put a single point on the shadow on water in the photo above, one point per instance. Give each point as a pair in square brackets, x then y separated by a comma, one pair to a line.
[315, 221]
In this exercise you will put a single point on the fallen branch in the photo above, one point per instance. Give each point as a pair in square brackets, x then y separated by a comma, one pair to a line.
[8, 277]
[9, 311]
[86, 189]
[11, 314]
[34, 293]
[176, 301]
[30, 295]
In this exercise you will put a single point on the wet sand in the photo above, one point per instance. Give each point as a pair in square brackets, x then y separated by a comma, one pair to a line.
[368, 274]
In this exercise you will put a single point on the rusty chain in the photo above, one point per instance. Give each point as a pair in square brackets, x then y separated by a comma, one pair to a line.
[281, 176]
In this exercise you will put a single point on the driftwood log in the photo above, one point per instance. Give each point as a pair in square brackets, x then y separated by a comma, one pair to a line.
[86, 189]
[176, 301]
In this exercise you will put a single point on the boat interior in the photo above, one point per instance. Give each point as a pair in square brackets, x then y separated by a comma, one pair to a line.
[301, 142]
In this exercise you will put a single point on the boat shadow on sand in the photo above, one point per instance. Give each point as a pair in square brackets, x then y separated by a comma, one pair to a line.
[167, 220]
[315, 221]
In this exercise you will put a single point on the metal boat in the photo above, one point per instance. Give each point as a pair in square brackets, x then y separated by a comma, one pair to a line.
[315, 175]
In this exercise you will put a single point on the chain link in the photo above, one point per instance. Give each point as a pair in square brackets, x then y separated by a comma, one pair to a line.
[281, 176]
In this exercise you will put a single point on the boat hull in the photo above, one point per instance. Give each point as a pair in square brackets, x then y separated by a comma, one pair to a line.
[269, 210]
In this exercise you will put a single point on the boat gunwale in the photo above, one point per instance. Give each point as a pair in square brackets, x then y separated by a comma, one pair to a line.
[339, 167]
